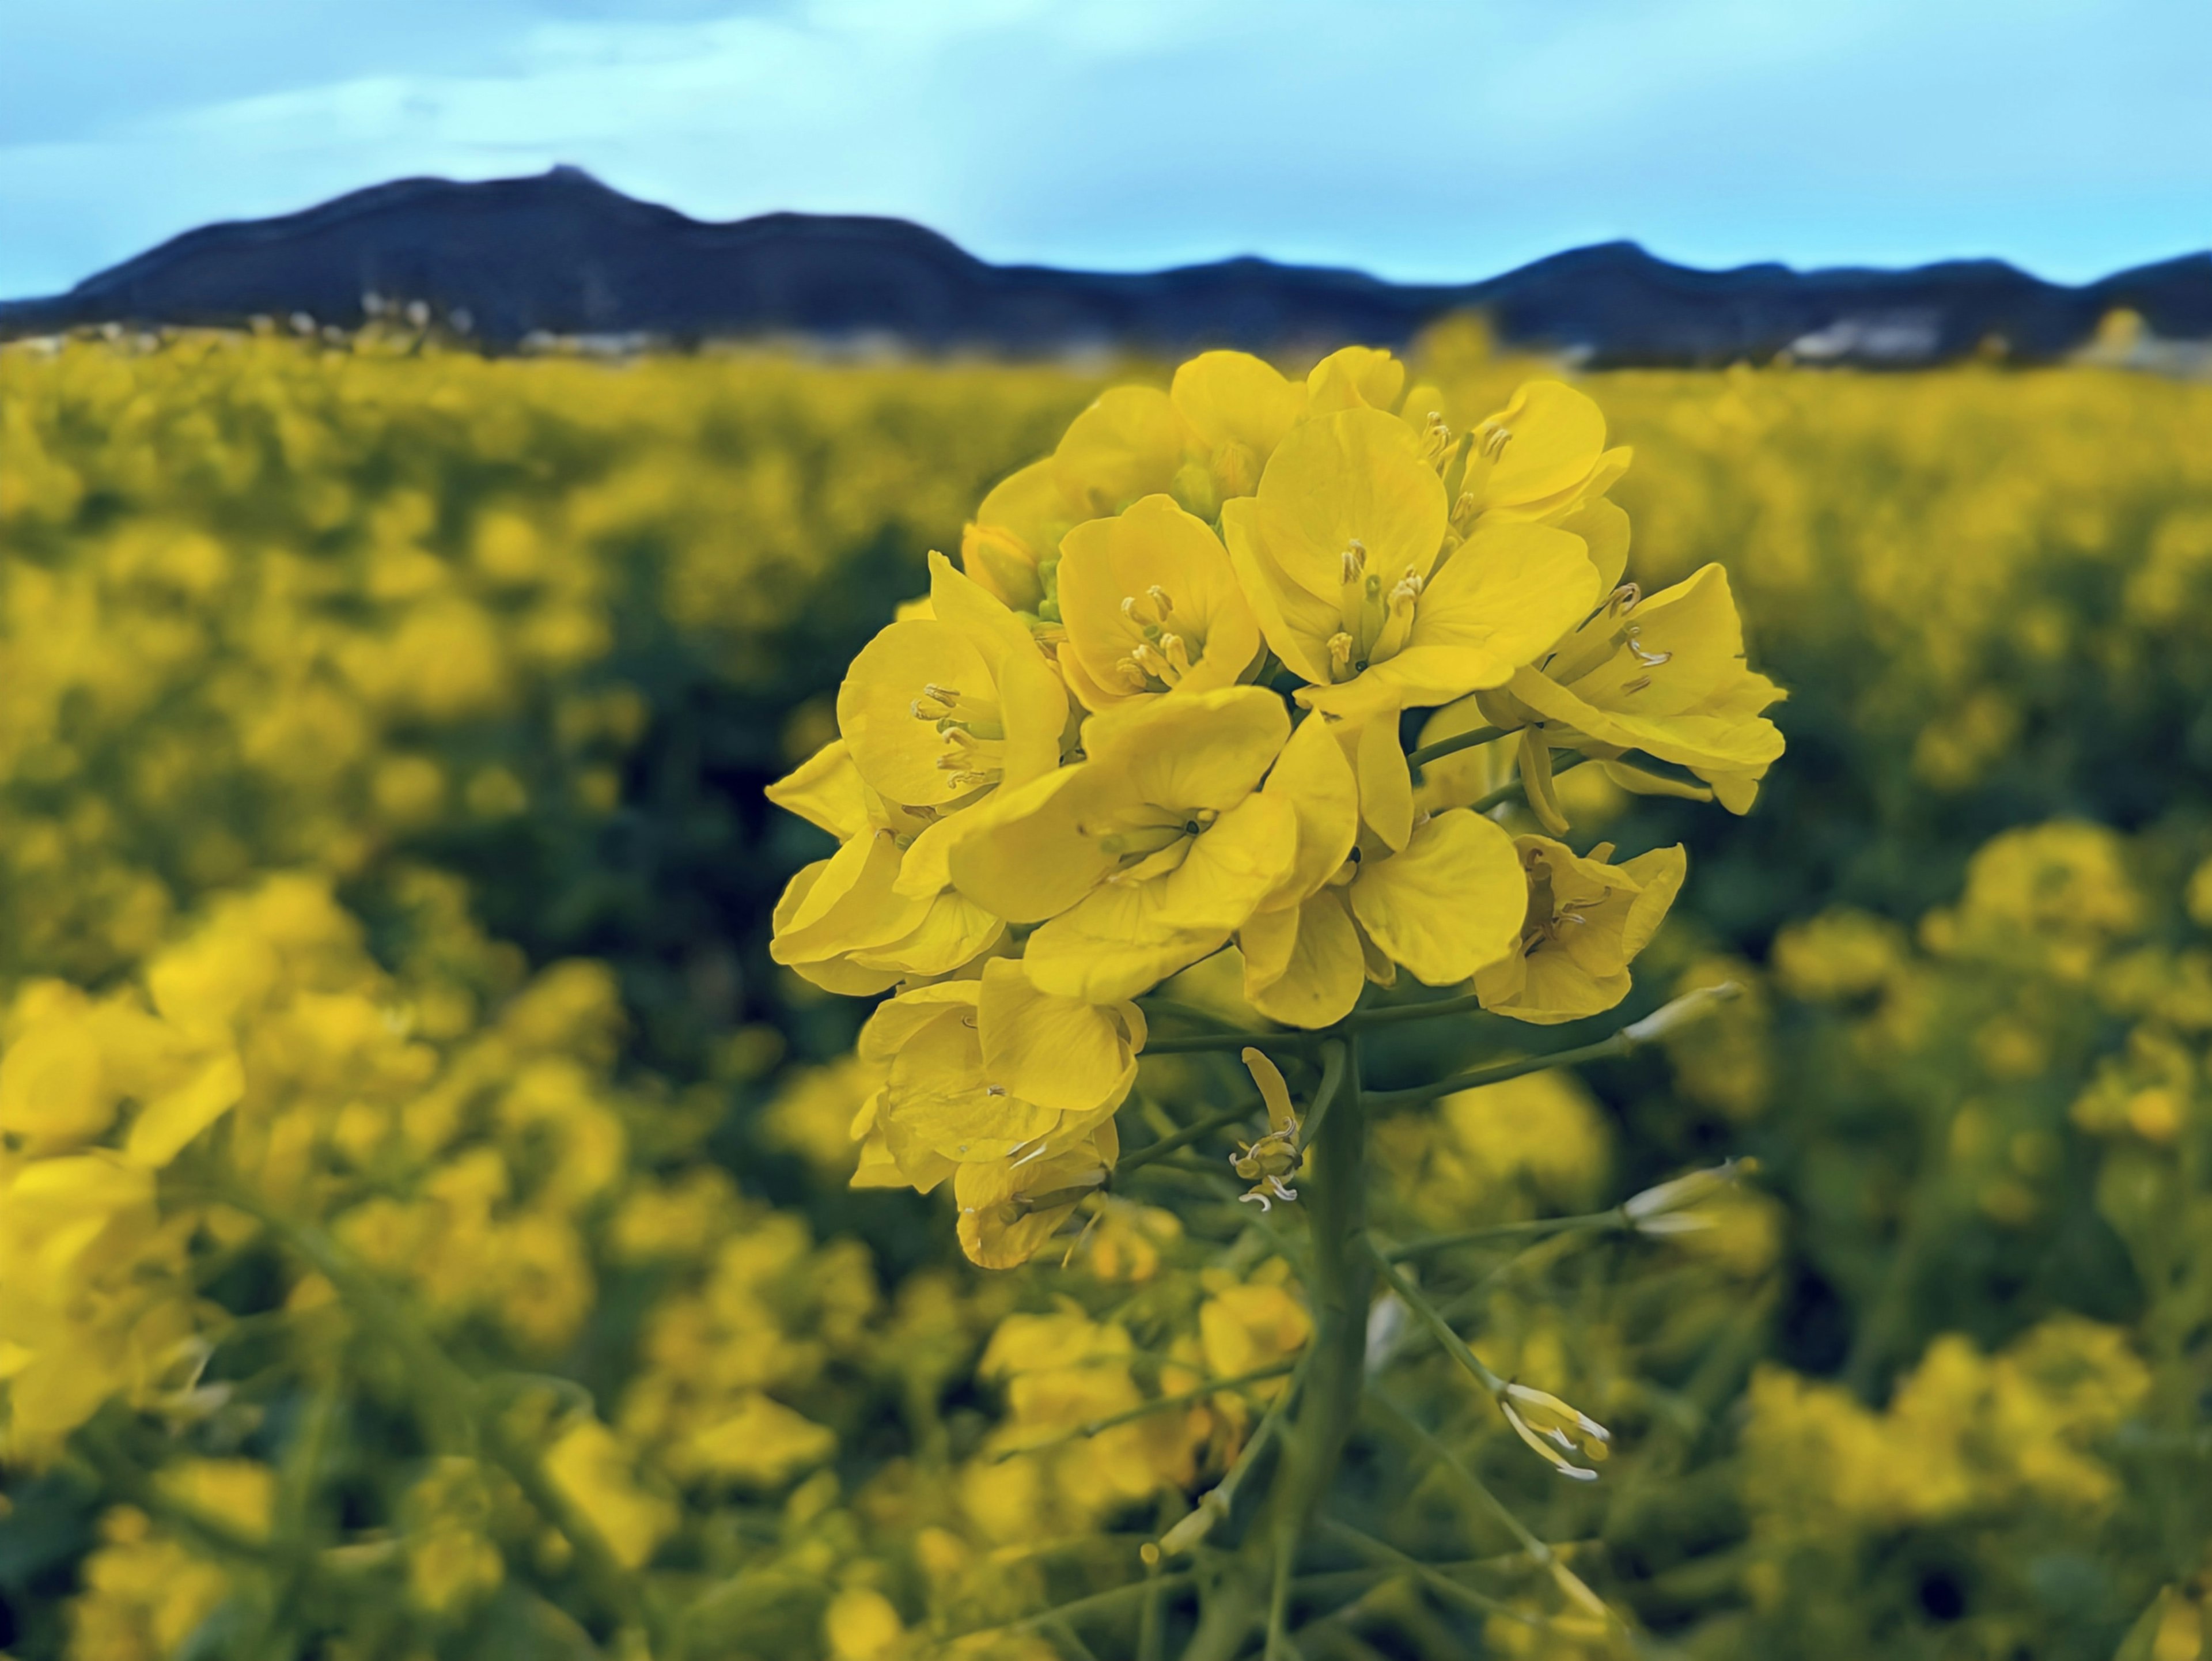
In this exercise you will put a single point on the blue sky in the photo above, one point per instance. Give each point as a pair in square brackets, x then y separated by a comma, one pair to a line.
[1425, 141]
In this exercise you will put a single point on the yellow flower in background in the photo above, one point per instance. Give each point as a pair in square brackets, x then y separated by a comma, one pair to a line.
[762, 1443]
[1586, 920]
[993, 1069]
[1665, 675]
[1152, 605]
[1246, 1328]
[598, 1475]
[1339, 554]
[861, 1624]
[1440, 896]
[1146, 856]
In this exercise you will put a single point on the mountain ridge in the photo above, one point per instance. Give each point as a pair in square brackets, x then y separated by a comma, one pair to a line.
[560, 253]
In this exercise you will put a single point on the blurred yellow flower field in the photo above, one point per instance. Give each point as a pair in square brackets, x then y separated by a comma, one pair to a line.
[437, 1219]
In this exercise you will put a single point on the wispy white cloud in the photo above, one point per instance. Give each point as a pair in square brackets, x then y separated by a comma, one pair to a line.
[1425, 139]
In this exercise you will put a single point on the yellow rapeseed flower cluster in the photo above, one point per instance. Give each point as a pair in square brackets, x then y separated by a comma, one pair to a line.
[1159, 712]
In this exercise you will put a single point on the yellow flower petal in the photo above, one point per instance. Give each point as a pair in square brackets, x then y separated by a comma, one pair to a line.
[1124, 938]
[894, 750]
[833, 903]
[1209, 750]
[1503, 597]
[885, 1032]
[938, 1094]
[1126, 445]
[1233, 397]
[171, 1120]
[1019, 524]
[1354, 377]
[1557, 434]
[824, 790]
[1062, 1053]
[953, 931]
[1027, 857]
[1586, 920]
[1151, 605]
[1303, 966]
[1313, 775]
[1386, 786]
[1450, 903]
[1008, 1211]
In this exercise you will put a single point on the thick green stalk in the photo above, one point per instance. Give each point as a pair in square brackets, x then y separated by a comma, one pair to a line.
[1342, 1287]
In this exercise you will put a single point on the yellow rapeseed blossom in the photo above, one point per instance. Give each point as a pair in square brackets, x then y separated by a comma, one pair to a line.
[1152, 605]
[1147, 854]
[993, 1069]
[1586, 920]
[1662, 674]
[1342, 551]
[1440, 895]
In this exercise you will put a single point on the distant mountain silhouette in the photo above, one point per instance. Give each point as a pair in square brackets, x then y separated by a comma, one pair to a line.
[562, 254]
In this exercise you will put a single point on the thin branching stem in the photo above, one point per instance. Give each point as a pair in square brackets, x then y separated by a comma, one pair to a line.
[1605, 1050]
[1191, 1042]
[1335, 1062]
[1543, 1556]
[1186, 1136]
[1432, 1317]
[1542, 1228]
[1428, 1573]
[1452, 746]
[1670, 1017]
[1097, 1602]
[1092, 1427]
[1395, 1014]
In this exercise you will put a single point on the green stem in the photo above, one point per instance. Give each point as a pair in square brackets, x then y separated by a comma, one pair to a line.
[1156, 1005]
[1186, 1136]
[1567, 760]
[1190, 1043]
[1335, 1064]
[1543, 1556]
[1135, 1591]
[1078, 1432]
[1340, 1289]
[1432, 1317]
[1393, 1014]
[1613, 1221]
[1669, 1017]
[1430, 1575]
[1215, 1502]
[1421, 758]
[1604, 1049]
[1278, 1641]
[447, 1398]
